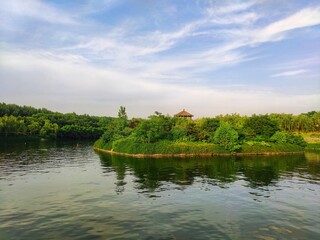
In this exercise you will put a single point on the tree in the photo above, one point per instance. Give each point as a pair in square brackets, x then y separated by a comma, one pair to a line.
[34, 128]
[260, 126]
[156, 128]
[179, 130]
[10, 125]
[227, 137]
[206, 128]
[49, 129]
[122, 113]
[283, 137]
[122, 119]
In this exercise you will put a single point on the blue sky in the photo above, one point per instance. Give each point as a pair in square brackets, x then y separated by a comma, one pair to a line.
[210, 57]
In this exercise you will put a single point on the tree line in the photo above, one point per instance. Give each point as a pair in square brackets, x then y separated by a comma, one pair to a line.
[229, 131]
[28, 121]
[25, 120]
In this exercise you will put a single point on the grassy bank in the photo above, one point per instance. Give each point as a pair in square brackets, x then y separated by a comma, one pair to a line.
[130, 146]
[312, 139]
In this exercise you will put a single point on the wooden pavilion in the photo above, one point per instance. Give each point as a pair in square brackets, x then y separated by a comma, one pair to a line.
[184, 114]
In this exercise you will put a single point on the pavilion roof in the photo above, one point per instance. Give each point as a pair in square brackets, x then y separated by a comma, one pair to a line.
[183, 113]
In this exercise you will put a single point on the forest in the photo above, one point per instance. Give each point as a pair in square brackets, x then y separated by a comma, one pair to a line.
[28, 121]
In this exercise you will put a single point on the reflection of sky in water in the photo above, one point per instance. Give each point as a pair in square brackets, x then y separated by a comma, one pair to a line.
[63, 191]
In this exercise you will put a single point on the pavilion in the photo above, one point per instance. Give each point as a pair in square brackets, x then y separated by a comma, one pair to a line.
[184, 114]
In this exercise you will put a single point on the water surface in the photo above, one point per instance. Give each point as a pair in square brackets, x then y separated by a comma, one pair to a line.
[52, 190]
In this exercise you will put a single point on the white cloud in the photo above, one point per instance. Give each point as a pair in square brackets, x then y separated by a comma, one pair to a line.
[127, 50]
[38, 77]
[229, 9]
[306, 17]
[300, 63]
[35, 9]
[247, 18]
[290, 73]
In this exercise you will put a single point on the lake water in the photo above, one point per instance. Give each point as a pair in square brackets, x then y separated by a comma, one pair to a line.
[64, 191]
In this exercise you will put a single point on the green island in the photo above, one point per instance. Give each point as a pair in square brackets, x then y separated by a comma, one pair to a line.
[160, 135]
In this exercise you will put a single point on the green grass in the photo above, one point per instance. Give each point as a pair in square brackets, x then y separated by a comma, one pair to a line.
[313, 145]
[131, 146]
[271, 147]
[165, 147]
[311, 137]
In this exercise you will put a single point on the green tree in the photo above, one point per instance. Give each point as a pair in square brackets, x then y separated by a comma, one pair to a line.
[260, 127]
[11, 125]
[227, 137]
[49, 129]
[34, 128]
[206, 128]
[179, 129]
[156, 128]
[122, 119]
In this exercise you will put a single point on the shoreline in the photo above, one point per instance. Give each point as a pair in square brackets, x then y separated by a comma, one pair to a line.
[160, 155]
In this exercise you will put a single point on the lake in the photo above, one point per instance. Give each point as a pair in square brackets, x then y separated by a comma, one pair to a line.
[65, 190]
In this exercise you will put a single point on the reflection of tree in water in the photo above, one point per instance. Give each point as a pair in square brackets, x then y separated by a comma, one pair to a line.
[313, 166]
[111, 163]
[33, 155]
[154, 174]
[262, 171]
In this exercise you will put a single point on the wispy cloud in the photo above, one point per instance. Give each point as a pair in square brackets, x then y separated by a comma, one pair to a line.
[118, 55]
[311, 61]
[229, 9]
[36, 9]
[276, 31]
[232, 14]
[290, 73]
[77, 85]
[129, 49]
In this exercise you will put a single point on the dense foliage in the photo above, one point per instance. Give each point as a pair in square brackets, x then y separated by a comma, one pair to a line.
[230, 132]
[28, 121]
[227, 137]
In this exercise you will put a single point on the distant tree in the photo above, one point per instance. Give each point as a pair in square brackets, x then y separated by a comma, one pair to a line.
[261, 126]
[234, 120]
[157, 127]
[122, 113]
[11, 125]
[283, 137]
[34, 128]
[49, 129]
[227, 137]
[179, 129]
[206, 128]
[122, 119]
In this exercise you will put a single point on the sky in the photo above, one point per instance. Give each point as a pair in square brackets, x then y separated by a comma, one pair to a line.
[209, 57]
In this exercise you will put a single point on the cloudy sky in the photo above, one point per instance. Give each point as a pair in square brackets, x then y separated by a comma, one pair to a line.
[208, 56]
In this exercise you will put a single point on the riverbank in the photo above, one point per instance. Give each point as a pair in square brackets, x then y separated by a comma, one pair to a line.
[313, 140]
[158, 155]
[128, 147]
[313, 146]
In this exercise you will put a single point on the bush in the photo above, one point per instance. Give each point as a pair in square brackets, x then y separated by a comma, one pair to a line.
[279, 137]
[260, 125]
[227, 137]
[282, 137]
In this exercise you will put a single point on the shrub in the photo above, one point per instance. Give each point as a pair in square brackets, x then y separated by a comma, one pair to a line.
[279, 137]
[227, 137]
[260, 125]
[282, 137]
